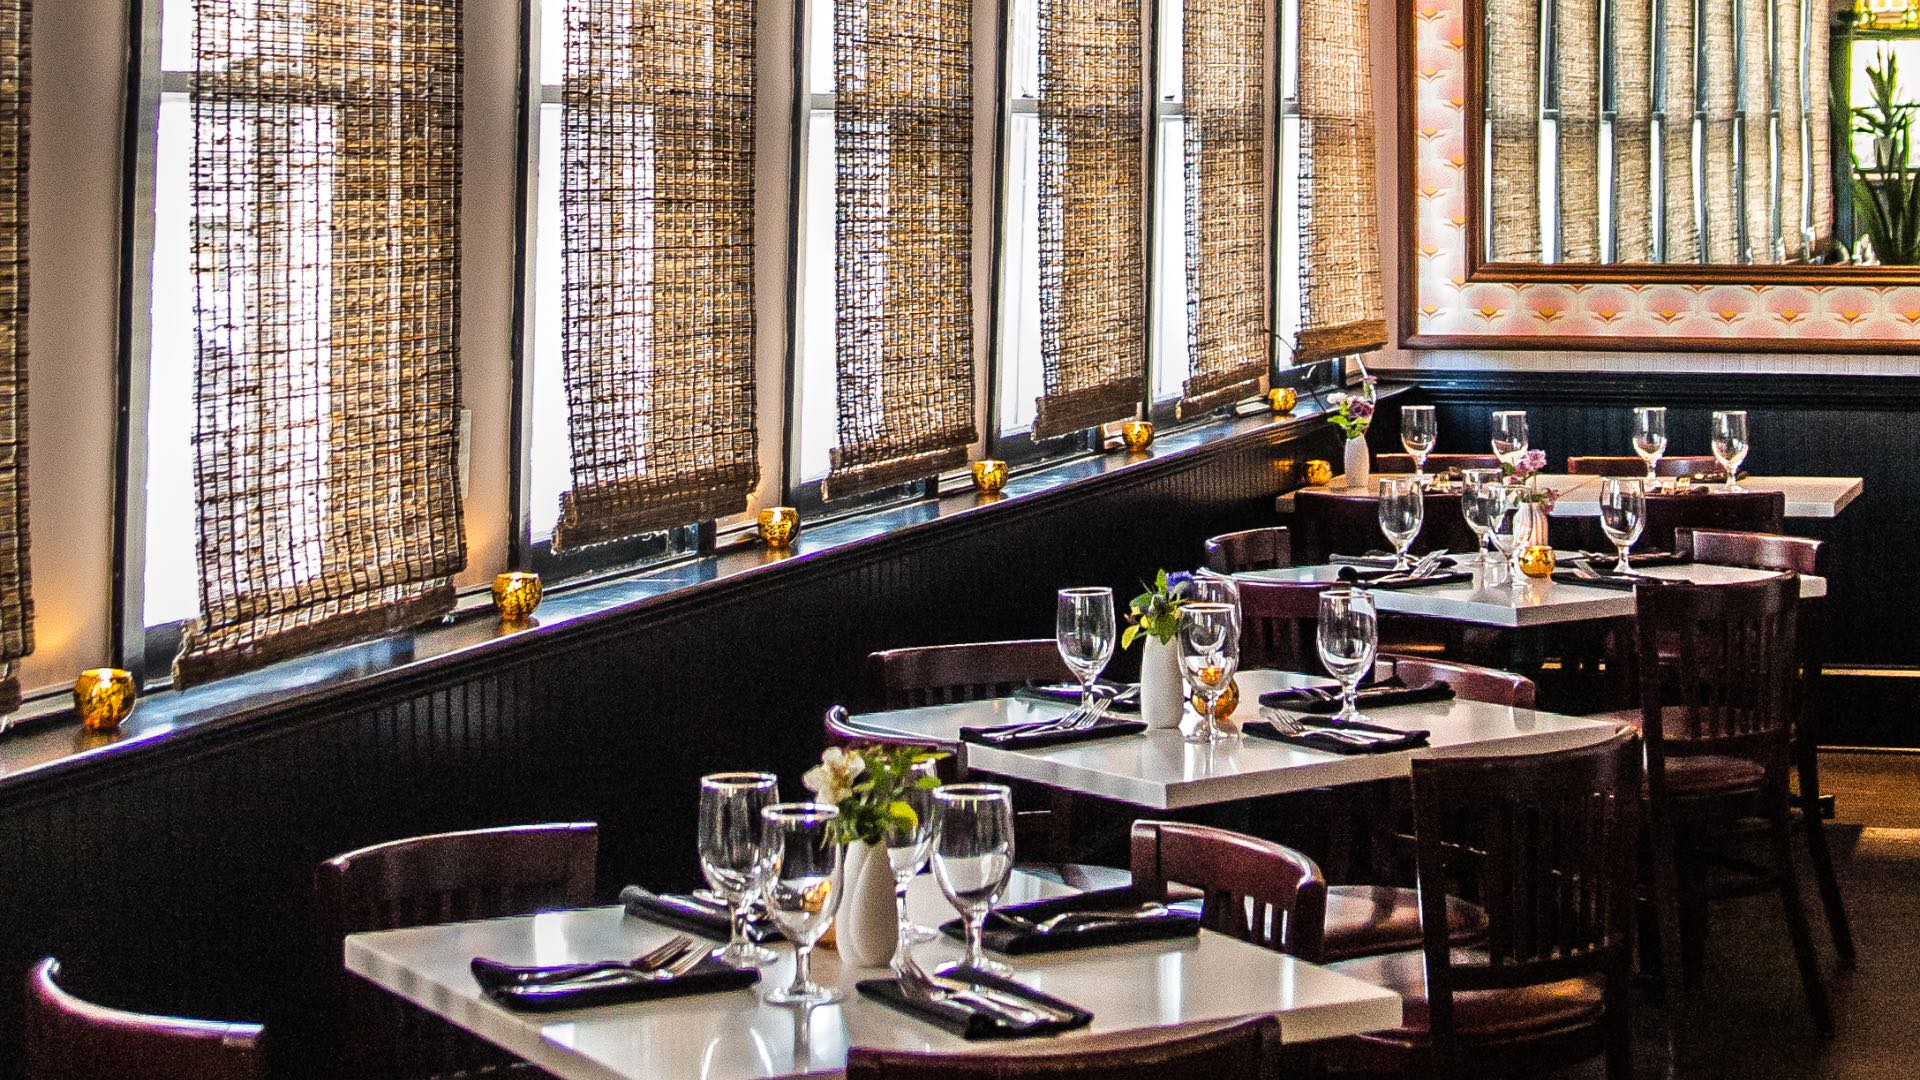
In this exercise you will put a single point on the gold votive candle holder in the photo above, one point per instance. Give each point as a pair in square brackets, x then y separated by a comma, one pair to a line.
[1137, 435]
[1536, 561]
[103, 698]
[1319, 472]
[989, 476]
[779, 525]
[516, 594]
[1282, 399]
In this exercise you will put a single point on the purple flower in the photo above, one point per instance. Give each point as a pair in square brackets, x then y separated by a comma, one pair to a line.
[1177, 582]
[1534, 461]
[1361, 408]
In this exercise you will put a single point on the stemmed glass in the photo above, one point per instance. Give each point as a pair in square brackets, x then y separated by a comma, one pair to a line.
[1212, 587]
[1650, 438]
[907, 852]
[803, 888]
[1623, 514]
[1349, 634]
[1510, 437]
[973, 858]
[1402, 509]
[1084, 630]
[1507, 523]
[1419, 431]
[1209, 653]
[1730, 442]
[732, 853]
[1480, 505]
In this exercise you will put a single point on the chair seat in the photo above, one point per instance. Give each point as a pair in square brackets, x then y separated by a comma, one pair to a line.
[1478, 1014]
[1698, 774]
[1363, 920]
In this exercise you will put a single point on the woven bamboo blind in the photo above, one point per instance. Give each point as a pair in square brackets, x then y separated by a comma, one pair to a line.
[1633, 216]
[16, 592]
[1723, 206]
[1092, 203]
[325, 175]
[903, 165]
[1224, 71]
[1819, 122]
[1342, 306]
[1513, 106]
[657, 196]
[1756, 102]
[1793, 158]
[1677, 106]
[1577, 62]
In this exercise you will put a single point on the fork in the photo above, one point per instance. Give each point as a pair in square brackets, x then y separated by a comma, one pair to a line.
[1287, 724]
[649, 964]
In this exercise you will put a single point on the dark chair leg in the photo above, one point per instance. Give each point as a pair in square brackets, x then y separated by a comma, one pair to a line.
[1822, 859]
[1663, 888]
[1796, 915]
[1620, 1028]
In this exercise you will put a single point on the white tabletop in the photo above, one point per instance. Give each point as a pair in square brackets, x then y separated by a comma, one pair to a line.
[738, 1035]
[1160, 771]
[1579, 496]
[1536, 601]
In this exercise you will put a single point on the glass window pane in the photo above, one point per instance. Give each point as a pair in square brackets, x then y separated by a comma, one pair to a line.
[1171, 362]
[549, 453]
[176, 35]
[553, 42]
[817, 419]
[172, 563]
[1021, 375]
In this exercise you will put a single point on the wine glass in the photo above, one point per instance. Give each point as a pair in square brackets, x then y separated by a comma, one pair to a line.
[1507, 526]
[1623, 514]
[1650, 438]
[803, 888]
[1479, 504]
[1084, 630]
[1419, 431]
[1510, 437]
[1349, 633]
[1209, 637]
[1212, 587]
[1730, 442]
[1402, 508]
[731, 853]
[907, 852]
[973, 858]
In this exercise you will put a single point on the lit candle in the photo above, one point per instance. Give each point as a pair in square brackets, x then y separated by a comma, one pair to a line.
[1137, 435]
[989, 476]
[515, 595]
[103, 698]
[778, 525]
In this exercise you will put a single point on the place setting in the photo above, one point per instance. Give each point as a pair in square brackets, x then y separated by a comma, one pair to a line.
[1347, 637]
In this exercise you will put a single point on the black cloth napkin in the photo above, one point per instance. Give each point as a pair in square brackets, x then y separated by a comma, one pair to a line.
[1125, 696]
[1378, 696]
[1638, 558]
[703, 917]
[1400, 579]
[969, 1022]
[1035, 735]
[532, 989]
[1003, 937]
[1314, 740]
[1607, 579]
[1384, 561]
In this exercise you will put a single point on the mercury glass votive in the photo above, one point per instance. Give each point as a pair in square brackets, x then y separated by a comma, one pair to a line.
[515, 595]
[1283, 399]
[103, 698]
[779, 525]
[1536, 561]
[1319, 472]
[989, 476]
[1137, 435]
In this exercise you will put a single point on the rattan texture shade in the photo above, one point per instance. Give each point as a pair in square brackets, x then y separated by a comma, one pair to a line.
[1633, 202]
[1513, 108]
[16, 582]
[1577, 63]
[1092, 207]
[1756, 103]
[1224, 72]
[1722, 203]
[1793, 156]
[903, 232]
[1342, 303]
[1820, 123]
[1678, 104]
[326, 193]
[657, 197]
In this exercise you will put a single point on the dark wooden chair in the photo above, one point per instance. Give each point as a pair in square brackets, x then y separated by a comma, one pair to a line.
[1740, 511]
[1469, 681]
[1278, 620]
[1716, 666]
[1633, 466]
[1800, 555]
[1550, 986]
[71, 1039]
[1250, 549]
[1327, 523]
[1436, 463]
[425, 881]
[1248, 1049]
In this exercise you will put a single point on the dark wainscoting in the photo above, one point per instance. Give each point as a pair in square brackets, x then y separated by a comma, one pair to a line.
[1819, 426]
[178, 879]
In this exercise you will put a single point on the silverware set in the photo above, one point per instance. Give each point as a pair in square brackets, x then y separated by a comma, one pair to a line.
[937, 989]
[1080, 719]
[679, 955]
[1081, 920]
[1288, 724]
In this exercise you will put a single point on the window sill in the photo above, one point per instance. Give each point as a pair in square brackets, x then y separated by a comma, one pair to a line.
[46, 745]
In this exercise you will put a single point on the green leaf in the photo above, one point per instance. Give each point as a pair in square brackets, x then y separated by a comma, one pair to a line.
[1128, 635]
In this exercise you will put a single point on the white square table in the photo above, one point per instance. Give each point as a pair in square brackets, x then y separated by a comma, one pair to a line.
[737, 1035]
[1536, 601]
[1161, 771]
[1579, 496]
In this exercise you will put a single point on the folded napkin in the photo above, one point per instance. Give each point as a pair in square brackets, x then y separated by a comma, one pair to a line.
[1004, 936]
[1384, 561]
[696, 914]
[1315, 737]
[1378, 696]
[1607, 579]
[1400, 579]
[1126, 696]
[1042, 733]
[1638, 558]
[970, 1021]
[546, 989]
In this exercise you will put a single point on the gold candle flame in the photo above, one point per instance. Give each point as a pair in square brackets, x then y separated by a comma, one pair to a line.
[778, 525]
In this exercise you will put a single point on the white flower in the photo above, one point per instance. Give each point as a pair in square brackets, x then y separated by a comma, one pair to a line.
[1336, 400]
[832, 779]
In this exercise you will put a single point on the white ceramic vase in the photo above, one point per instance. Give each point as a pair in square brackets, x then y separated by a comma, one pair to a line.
[1163, 694]
[1359, 465]
[867, 926]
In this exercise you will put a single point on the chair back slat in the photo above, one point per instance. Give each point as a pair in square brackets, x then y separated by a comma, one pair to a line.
[1470, 682]
[1254, 890]
[1436, 463]
[1250, 549]
[1744, 511]
[1247, 1049]
[1327, 523]
[1278, 621]
[948, 674]
[69, 1039]
[1682, 465]
[1716, 665]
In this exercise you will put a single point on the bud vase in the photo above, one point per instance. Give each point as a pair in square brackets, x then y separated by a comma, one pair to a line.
[1163, 697]
[867, 925]
[1359, 465]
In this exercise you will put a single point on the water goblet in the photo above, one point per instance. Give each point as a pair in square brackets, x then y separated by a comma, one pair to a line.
[908, 849]
[973, 858]
[1510, 437]
[1084, 630]
[1419, 431]
[1209, 641]
[1730, 442]
[1402, 509]
[1623, 514]
[1479, 504]
[1650, 438]
[732, 855]
[803, 889]
[1349, 634]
